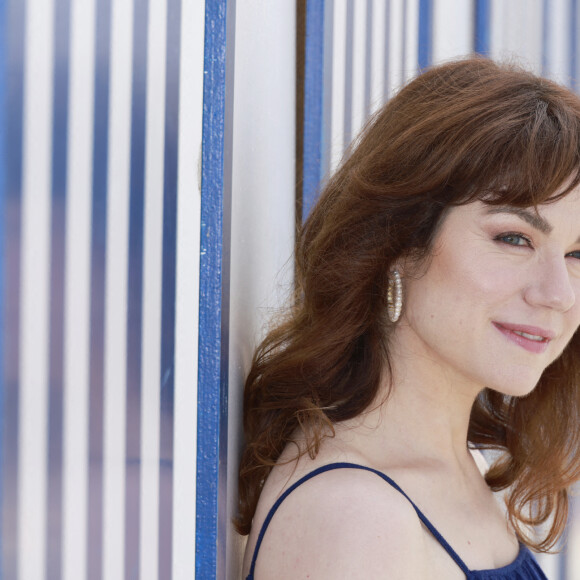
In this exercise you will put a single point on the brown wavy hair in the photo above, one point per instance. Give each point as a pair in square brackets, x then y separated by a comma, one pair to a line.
[464, 131]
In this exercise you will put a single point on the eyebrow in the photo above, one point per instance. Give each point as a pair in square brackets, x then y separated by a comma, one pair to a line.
[531, 218]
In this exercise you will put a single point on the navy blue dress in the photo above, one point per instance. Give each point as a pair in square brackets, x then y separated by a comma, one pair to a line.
[524, 567]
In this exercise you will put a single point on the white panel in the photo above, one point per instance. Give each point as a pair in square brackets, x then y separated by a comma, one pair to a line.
[34, 284]
[522, 30]
[187, 288]
[328, 98]
[531, 33]
[573, 548]
[116, 291]
[339, 25]
[497, 32]
[359, 71]
[559, 41]
[550, 566]
[77, 290]
[151, 307]
[516, 32]
[452, 29]
[262, 198]
[395, 47]
[411, 64]
[378, 53]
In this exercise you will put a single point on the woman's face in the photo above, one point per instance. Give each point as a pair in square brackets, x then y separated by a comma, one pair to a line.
[500, 298]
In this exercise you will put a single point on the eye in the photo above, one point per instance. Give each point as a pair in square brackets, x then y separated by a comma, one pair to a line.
[514, 239]
[575, 254]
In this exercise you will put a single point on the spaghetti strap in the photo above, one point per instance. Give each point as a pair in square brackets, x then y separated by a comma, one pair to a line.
[392, 483]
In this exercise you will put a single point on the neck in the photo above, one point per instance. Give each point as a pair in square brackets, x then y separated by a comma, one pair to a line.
[422, 413]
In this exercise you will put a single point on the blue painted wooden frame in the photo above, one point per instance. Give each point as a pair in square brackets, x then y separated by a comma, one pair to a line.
[3, 79]
[481, 40]
[573, 45]
[214, 291]
[425, 54]
[313, 104]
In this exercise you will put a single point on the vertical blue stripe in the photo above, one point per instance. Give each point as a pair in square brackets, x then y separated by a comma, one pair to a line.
[313, 104]
[57, 276]
[386, 40]
[562, 563]
[348, 73]
[369, 40]
[481, 40]
[212, 381]
[97, 315]
[13, 38]
[545, 37]
[404, 39]
[327, 60]
[3, 83]
[168, 287]
[574, 44]
[135, 287]
[425, 33]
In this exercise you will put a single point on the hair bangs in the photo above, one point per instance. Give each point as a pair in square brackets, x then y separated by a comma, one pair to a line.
[532, 162]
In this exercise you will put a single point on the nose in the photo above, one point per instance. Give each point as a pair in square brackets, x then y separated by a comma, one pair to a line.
[551, 286]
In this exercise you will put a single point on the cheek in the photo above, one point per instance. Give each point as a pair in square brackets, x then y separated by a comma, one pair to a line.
[481, 279]
[437, 307]
[456, 294]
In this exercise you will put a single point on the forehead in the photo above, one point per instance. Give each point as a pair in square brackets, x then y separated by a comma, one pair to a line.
[564, 211]
[561, 214]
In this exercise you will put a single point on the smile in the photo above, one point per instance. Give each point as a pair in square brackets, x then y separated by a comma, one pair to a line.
[532, 339]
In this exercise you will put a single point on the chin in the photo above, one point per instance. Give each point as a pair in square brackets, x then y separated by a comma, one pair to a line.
[521, 387]
[513, 380]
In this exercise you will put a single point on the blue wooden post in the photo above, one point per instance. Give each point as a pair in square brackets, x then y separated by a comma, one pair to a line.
[2, 234]
[313, 99]
[214, 294]
[573, 44]
[481, 42]
[425, 33]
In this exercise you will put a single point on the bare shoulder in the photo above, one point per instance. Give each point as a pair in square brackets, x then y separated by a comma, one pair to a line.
[343, 523]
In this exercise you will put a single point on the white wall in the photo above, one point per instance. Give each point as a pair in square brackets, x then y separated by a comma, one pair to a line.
[263, 199]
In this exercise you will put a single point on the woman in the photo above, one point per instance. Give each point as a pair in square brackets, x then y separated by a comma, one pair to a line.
[437, 311]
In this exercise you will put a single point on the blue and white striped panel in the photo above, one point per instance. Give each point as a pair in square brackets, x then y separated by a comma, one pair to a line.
[101, 146]
[372, 49]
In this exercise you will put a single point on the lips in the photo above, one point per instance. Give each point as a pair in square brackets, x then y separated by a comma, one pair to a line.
[532, 338]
